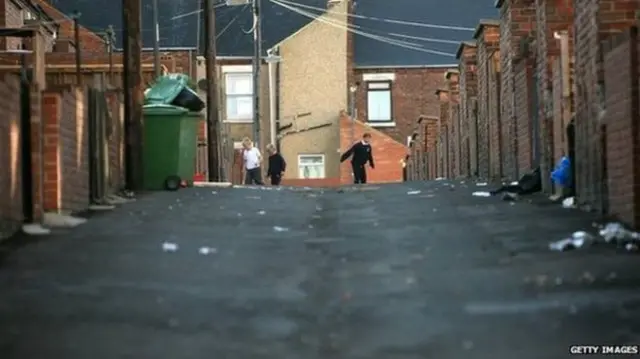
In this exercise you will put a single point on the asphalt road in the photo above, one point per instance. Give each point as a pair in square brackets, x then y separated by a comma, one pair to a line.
[306, 274]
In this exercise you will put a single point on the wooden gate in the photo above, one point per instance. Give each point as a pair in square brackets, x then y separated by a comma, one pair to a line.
[106, 145]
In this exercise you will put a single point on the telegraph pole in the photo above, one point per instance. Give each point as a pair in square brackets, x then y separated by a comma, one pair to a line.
[76, 35]
[212, 90]
[133, 93]
[156, 40]
[257, 55]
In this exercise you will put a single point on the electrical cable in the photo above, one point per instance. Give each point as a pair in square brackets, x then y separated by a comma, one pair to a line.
[382, 39]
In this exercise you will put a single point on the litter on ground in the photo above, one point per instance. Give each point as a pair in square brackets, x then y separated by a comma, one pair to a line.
[481, 194]
[169, 247]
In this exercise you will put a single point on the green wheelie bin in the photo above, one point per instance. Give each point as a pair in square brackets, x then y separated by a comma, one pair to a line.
[169, 153]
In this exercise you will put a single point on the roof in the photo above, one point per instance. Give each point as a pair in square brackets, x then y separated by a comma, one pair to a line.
[278, 23]
[461, 13]
[65, 23]
[182, 32]
[485, 23]
[464, 44]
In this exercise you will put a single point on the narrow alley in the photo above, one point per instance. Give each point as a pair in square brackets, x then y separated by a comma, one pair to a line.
[398, 271]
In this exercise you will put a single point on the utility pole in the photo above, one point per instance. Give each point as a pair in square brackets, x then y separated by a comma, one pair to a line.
[156, 41]
[212, 90]
[257, 55]
[76, 35]
[111, 39]
[133, 93]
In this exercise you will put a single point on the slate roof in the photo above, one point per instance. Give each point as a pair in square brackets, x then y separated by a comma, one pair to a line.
[461, 13]
[278, 23]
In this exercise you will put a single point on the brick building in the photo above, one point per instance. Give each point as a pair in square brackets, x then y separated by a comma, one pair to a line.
[544, 65]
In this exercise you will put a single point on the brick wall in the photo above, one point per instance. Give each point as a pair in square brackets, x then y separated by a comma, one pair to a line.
[10, 156]
[523, 69]
[497, 136]
[453, 86]
[66, 150]
[468, 89]
[488, 39]
[558, 126]
[518, 19]
[623, 137]
[431, 137]
[442, 153]
[10, 17]
[412, 97]
[594, 20]
[90, 41]
[387, 153]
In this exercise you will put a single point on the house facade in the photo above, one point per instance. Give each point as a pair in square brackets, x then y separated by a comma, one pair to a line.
[383, 74]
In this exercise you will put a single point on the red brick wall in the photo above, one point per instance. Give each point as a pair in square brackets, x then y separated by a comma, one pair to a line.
[10, 17]
[453, 86]
[412, 96]
[387, 153]
[518, 19]
[468, 89]
[523, 86]
[488, 38]
[497, 137]
[623, 137]
[442, 145]
[559, 129]
[431, 135]
[89, 41]
[66, 150]
[10, 155]
[10, 152]
[594, 20]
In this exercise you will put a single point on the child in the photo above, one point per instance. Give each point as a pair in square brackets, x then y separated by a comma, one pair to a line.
[277, 165]
[252, 160]
[360, 154]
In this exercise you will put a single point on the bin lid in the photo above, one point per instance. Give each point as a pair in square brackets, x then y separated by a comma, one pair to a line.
[156, 109]
[166, 88]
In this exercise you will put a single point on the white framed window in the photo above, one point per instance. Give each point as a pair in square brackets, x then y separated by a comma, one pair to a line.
[311, 166]
[28, 15]
[379, 101]
[239, 96]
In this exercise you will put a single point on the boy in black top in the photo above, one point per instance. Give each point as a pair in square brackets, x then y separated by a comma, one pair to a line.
[277, 165]
[360, 154]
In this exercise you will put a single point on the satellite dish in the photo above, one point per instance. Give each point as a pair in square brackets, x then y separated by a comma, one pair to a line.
[202, 84]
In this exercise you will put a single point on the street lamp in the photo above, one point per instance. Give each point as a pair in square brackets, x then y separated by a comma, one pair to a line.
[272, 60]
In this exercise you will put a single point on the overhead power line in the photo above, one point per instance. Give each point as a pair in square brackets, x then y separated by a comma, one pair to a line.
[352, 29]
[391, 21]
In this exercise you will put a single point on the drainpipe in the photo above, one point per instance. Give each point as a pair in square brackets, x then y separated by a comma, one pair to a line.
[272, 60]
[277, 105]
[352, 111]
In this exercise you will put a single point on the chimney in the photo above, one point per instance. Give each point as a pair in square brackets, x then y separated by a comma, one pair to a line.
[332, 3]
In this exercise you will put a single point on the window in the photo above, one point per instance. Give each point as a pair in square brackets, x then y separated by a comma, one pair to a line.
[310, 166]
[28, 15]
[379, 101]
[239, 94]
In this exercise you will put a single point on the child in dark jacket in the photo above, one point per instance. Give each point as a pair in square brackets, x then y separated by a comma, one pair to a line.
[360, 154]
[277, 165]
